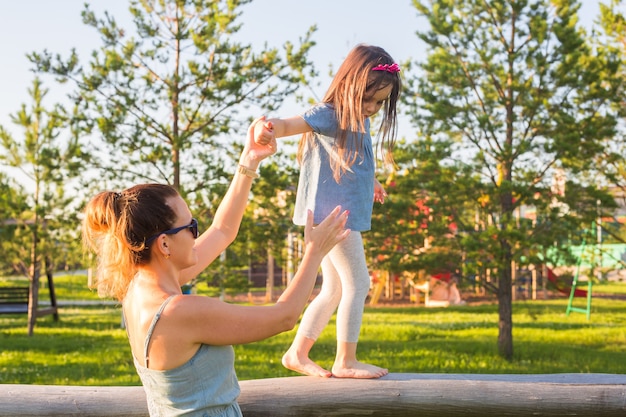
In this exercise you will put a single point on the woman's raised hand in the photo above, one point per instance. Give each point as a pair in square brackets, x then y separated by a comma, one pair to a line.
[328, 233]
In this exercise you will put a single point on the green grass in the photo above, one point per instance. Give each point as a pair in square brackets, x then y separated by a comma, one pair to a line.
[88, 347]
[66, 287]
[609, 288]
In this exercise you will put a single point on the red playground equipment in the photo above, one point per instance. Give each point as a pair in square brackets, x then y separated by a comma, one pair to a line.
[562, 287]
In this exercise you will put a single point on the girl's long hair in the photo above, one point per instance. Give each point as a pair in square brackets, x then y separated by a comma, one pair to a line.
[353, 81]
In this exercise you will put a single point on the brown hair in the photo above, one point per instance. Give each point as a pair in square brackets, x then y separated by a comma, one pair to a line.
[116, 226]
[353, 80]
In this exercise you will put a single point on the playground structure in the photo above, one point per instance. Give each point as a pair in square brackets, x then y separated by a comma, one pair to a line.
[582, 284]
[534, 282]
[397, 395]
[599, 258]
[439, 290]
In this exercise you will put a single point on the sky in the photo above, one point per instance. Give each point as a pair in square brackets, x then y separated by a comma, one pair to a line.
[55, 25]
[36, 25]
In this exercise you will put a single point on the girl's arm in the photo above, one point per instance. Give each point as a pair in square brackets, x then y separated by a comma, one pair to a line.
[288, 127]
[225, 226]
[281, 127]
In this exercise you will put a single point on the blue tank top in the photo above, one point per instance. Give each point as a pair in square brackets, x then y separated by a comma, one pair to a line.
[204, 386]
[317, 189]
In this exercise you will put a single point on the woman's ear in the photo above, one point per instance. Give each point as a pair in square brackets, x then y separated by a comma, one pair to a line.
[161, 246]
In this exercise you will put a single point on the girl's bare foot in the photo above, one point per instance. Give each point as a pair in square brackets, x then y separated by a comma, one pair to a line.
[304, 365]
[358, 370]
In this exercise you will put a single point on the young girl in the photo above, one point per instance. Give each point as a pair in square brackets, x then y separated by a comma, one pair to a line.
[148, 246]
[337, 168]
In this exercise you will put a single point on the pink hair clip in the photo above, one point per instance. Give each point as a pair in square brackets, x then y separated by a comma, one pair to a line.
[393, 68]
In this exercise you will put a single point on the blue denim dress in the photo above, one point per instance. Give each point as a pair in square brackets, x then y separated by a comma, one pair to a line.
[317, 189]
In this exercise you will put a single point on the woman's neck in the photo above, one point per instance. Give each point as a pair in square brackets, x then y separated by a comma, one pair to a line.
[155, 281]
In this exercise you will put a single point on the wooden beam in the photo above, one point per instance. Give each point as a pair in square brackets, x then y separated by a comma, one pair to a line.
[438, 395]
[68, 400]
[597, 395]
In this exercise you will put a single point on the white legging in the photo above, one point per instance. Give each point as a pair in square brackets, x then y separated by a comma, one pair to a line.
[345, 285]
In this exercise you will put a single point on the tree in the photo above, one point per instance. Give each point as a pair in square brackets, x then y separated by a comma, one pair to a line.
[166, 97]
[613, 25]
[46, 224]
[423, 211]
[13, 202]
[520, 94]
[169, 99]
[612, 34]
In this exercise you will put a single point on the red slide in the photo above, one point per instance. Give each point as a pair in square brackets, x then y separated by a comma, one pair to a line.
[558, 283]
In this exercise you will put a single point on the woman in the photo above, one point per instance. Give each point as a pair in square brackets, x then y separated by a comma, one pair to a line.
[148, 246]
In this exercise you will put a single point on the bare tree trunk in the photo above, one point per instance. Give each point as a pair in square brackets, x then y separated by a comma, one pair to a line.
[54, 309]
[269, 281]
[505, 309]
[33, 277]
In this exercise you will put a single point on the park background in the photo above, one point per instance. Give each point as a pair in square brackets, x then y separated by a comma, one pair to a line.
[58, 29]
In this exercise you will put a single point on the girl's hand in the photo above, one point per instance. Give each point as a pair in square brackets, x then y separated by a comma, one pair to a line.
[254, 151]
[328, 233]
[264, 132]
[379, 192]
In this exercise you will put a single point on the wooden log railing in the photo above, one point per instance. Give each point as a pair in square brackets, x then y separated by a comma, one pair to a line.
[597, 395]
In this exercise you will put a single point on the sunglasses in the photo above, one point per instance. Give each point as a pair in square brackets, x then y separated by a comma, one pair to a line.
[193, 226]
